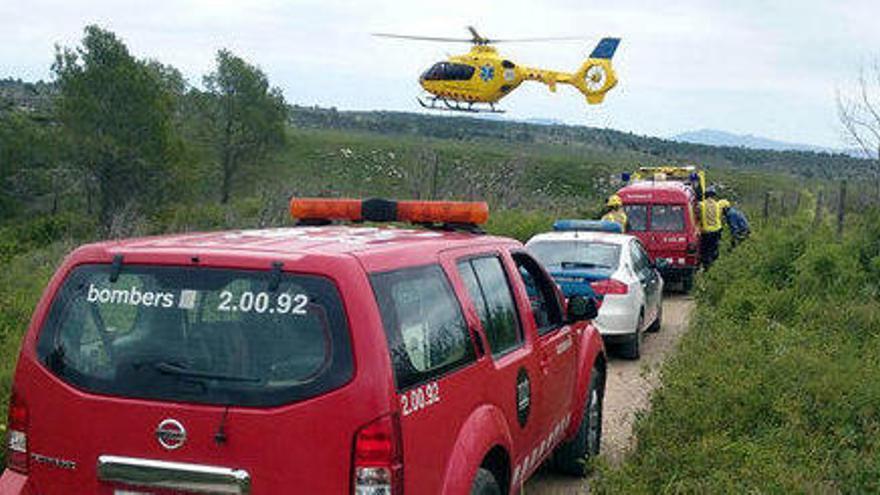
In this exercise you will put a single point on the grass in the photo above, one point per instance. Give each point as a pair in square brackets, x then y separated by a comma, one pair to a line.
[776, 387]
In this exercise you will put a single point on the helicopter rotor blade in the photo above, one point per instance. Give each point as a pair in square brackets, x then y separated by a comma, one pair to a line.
[531, 40]
[422, 38]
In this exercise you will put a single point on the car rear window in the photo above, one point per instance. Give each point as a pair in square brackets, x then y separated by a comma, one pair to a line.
[205, 335]
[667, 218]
[636, 218]
[576, 254]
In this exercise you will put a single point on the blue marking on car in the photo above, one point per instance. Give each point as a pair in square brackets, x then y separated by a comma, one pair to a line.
[571, 225]
[576, 281]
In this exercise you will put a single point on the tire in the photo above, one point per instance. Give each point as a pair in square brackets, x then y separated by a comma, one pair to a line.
[572, 457]
[658, 323]
[632, 349]
[485, 483]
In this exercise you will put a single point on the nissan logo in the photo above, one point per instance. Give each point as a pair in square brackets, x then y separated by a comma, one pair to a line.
[171, 434]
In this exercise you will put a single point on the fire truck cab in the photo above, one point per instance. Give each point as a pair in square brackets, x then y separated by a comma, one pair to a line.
[662, 213]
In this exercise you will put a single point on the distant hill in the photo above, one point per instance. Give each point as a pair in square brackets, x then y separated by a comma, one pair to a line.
[16, 94]
[714, 137]
[621, 147]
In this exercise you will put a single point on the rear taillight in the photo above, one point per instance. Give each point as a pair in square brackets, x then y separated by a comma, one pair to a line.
[609, 286]
[16, 438]
[378, 458]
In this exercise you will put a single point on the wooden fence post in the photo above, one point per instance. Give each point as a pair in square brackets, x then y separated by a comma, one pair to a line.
[841, 207]
[766, 205]
[817, 217]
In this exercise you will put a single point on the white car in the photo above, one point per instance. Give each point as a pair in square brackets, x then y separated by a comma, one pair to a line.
[614, 268]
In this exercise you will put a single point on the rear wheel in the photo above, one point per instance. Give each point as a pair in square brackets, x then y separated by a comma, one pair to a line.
[485, 483]
[632, 349]
[571, 457]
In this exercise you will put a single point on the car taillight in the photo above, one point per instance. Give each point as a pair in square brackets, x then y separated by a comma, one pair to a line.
[16, 439]
[609, 286]
[378, 458]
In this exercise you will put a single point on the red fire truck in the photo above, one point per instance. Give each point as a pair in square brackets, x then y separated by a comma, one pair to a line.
[661, 208]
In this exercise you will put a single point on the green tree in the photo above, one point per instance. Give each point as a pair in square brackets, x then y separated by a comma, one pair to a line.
[245, 117]
[118, 112]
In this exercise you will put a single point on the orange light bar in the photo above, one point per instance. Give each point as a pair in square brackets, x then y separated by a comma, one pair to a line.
[442, 211]
[325, 209]
[380, 210]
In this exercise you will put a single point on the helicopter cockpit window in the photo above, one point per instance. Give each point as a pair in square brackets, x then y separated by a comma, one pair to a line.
[445, 71]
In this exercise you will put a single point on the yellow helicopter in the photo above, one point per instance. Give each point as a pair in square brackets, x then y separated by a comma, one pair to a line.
[474, 82]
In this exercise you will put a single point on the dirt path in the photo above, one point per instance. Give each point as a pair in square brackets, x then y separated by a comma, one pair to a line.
[628, 390]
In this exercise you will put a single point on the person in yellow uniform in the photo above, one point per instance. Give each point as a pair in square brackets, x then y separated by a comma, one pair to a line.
[615, 211]
[711, 221]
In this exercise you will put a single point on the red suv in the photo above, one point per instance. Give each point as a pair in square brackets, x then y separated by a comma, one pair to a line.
[663, 216]
[312, 359]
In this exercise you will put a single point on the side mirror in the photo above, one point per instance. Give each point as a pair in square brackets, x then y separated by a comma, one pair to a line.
[582, 308]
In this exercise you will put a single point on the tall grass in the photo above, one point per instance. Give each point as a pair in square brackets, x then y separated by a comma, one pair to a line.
[776, 387]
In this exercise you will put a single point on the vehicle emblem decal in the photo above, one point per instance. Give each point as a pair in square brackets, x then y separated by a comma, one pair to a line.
[523, 397]
[487, 73]
[171, 434]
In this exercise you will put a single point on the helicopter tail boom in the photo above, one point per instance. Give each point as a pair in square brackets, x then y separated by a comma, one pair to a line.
[593, 79]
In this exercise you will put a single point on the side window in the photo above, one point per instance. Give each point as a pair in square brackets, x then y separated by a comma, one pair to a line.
[489, 290]
[426, 331]
[641, 264]
[542, 294]
[636, 218]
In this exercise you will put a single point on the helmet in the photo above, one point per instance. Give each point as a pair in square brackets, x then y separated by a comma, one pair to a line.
[711, 192]
[614, 201]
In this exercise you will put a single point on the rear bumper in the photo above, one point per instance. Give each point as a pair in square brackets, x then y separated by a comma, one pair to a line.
[13, 483]
[616, 318]
[673, 273]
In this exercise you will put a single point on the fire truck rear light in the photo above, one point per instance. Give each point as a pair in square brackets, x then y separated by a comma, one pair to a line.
[609, 286]
[16, 440]
[372, 481]
[378, 458]
[381, 210]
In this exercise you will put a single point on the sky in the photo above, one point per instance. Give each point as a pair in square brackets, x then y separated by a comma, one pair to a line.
[766, 68]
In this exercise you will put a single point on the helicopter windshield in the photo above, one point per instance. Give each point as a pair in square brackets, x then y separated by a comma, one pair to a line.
[445, 71]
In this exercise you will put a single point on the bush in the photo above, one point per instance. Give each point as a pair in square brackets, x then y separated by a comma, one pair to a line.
[776, 387]
[21, 283]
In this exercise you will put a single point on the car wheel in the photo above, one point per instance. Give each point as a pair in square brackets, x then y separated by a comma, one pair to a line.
[658, 323]
[485, 483]
[571, 456]
[632, 349]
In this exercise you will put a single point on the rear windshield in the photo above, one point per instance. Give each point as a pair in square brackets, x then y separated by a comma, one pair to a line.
[576, 254]
[667, 218]
[215, 336]
[636, 218]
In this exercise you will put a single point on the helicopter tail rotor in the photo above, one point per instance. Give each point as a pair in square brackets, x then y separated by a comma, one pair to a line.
[596, 76]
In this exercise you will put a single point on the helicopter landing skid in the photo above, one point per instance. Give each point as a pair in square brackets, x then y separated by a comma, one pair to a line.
[437, 103]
